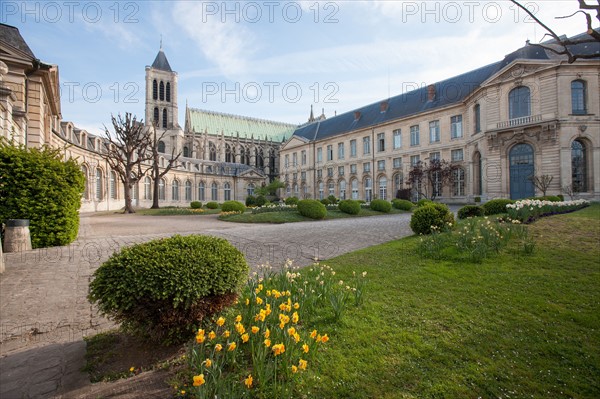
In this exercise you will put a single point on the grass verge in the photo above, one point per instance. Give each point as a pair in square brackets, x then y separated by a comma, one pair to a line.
[292, 217]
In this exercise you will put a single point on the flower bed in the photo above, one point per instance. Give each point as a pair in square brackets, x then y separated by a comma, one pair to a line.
[527, 211]
[274, 208]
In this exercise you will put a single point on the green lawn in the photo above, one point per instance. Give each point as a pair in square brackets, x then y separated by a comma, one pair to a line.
[513, 326]
[291, 217]
[168, 211]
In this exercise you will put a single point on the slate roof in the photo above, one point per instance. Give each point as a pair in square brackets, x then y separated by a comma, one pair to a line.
[12, 36]
[230, 125]
[450, 91]
[161, 62]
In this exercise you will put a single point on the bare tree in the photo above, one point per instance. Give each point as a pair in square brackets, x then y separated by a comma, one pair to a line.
[127, 151]
[542, 182]
[157, 174]
[563, 45]
[568, 189]
[435, 175]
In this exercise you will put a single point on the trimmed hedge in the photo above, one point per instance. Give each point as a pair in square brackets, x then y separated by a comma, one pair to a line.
[233, 206]
[260, 200]
[212, 205]
[380, 205]
[349, 206]
[427, 216]
[496, 206]
[162, 289]
[291, 201]
[325, 201]
[401, 204]
[469, 211]
[250, 200]
[312, 209]
[332, 200]
[37, 184]
[196, 205]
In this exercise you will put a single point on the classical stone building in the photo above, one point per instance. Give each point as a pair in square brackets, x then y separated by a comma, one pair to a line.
[530, 114]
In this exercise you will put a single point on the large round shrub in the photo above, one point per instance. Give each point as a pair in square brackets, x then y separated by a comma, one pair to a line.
[195, 204]
[429, 215]
[291, 201]
[162, 289]
[349, 206]
[233, 206]
[496, 206]
[380, 205]
[312, 209]
[423, 202]
[325, 201]
[401, 204]
[469, 211]
[37, 184]
[260, 200]
[250, 200]
[212, 205]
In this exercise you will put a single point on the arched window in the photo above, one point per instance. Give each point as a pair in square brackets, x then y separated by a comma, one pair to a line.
[227, 192]
[331, 188]
[321, 190]
[477, 117]
[175, 190]
[188, 190]
[161, 189]
[578, 97]
[156, 116]
[397, 183]
[168, 92]
[154, 90]
[260, 159]
[354, 185]
[342, 189]
[272, 164]
[519, 102]
[161, 91]
[86, 191]
[164, 119]
[113, 185]
[214, 192]
[578, 167]
[250, 189]
[212, 151]
[147, 188]
[186, 151]
[161, 147]
[228, 153]
[368, 189]
[201, 191]
[382, 188]
[458, 182]
[99, 196]
[295, 189]
[477, 174]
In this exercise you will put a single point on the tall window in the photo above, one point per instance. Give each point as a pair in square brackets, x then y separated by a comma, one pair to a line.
[154, 90]
[578, 97]
[354, 185]
[352, 148]
[303, 157]
[456, 127]
[397, 138]
[414, 135]
[250, 189]
[578, 166]
[161, 189]
[147, 188]
[434, 131]
[286, 161]
[295, 188]
[113, 185]
[330, 153]
[186, 151]
[458, 182]
[321, 191]
[188, 190]
[201, 191]
[519, 102]
[381, 142]
[168, 92]
[366, 145]
[86, 191]
[319, 155]
[99, 196]
[212, 151]
[156, 115]
[477, 117]
[382, 188]
[437, 183]
[161, 147]
[175, 190]
[161, 91]
[368, 189]
[331, 186]
[214, 192]
[295, 159]
[227, 191]
[342, 189]
[164, 119]
[341, 151]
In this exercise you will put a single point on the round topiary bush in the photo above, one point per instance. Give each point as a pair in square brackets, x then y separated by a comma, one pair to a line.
[261, 200]
[325, 201]
[195, 204]
[349, 206]
[233, 206]
[312, 209]
[429, 215]
[380, 205]
[469, 211]
[423, 202]
[496, 206]
[212, 205]
[332, 199]
[160, 290]
[250, 200]
[291, 201]
[401, 204]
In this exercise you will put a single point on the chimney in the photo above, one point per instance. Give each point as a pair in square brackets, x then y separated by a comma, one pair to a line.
[383, 106]
[356, 115]
[430, 92]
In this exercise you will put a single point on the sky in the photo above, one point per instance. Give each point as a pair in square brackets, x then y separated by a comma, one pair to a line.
[269, 59]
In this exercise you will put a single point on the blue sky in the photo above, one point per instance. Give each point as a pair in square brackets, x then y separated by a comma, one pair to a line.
[269, 59]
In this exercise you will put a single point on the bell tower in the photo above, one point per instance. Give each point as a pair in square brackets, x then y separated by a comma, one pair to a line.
[161, 93]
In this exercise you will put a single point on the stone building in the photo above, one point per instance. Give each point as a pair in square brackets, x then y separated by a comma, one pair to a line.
[530, 114]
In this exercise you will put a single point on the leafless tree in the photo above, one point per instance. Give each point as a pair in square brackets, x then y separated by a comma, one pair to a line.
[126, 151]
[435, 175]
[563, 45]
[157, 174]
[542, 182]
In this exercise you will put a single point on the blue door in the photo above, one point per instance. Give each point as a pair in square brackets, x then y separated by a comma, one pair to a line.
[521, 170]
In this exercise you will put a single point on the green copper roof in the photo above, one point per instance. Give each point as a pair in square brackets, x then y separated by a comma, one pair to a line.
[234, 125]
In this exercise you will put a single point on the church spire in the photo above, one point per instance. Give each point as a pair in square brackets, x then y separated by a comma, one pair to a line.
[311, 118]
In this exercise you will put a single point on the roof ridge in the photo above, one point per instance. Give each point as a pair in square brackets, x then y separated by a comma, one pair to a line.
[242, 117]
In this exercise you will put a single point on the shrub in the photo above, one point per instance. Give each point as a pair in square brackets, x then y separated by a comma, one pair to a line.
[233, 206]
[404, 193]
[553, 198]
[162, 289]
[496, 206]
[36, 184]
[380, 205]
[477, 199]
[195, 204]
[424, 201]
[431, 215]
[250, 200]
[261, 200]
[312, 209]
[401, 204]
[561, 197]
[470, 211]
[350, 207]
[212, 205]
[325, 202]
[332, 200]
[291, 201]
